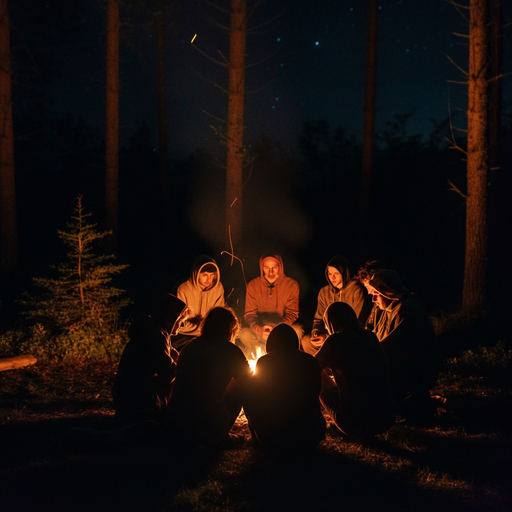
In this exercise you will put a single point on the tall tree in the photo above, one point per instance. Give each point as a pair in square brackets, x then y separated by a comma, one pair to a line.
[235, 128]
[8, 234]
[112, 124]
[474, 288]
[369, 114]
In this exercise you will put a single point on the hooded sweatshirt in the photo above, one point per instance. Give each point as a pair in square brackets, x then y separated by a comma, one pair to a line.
[352, 292]
[200, 300]
[271, 303]
[406, 335]
[364, 404]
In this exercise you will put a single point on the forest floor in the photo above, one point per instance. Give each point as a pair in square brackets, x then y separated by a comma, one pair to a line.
[459, 460]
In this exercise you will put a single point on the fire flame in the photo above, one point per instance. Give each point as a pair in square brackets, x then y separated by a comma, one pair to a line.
[252, 362]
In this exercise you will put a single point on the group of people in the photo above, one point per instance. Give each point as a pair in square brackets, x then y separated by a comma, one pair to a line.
[371, 354]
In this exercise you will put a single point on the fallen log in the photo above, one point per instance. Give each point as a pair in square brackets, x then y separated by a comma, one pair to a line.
[11, 363]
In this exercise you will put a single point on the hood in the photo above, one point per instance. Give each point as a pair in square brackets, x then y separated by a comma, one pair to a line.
[166, 310]
[388, 283]
[340, 317]
[282, 338]
[278, 257]
[197, 267]
[341, 264]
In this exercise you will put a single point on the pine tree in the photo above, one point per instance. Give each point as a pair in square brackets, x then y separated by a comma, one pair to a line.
[79, 309]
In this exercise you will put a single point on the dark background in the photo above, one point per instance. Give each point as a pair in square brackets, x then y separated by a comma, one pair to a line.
[304, 118]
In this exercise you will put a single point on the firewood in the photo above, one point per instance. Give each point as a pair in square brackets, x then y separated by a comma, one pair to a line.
[11, 363]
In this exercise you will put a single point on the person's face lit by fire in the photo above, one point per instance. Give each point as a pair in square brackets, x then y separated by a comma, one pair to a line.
[207, 279]
[270, 269]
[335, 277]
[378, 299]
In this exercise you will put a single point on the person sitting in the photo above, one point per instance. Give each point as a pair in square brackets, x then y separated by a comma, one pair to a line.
[282, 408]
[143, 382]
[409, 341]
[341, 287]
[271, 298]
[212, 375]
[201, 292]
[356, 387]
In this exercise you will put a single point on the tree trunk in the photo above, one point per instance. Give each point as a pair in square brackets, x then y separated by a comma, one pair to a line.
[112, 124]
[495, 85]
[162, 114]
[474, 289]
[8, 234]
[235, 130]
[369, 117]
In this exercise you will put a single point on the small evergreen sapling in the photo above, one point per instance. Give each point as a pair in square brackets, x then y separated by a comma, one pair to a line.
[77, 314]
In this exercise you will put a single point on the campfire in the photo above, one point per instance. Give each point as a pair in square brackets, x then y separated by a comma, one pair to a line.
[252, 362]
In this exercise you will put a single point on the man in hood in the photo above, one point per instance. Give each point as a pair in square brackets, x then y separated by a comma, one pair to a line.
[341, 287]
[408, 339]
[201, 292]
[270, 299]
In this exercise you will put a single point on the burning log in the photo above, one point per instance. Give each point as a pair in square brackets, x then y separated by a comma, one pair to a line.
[11, 363]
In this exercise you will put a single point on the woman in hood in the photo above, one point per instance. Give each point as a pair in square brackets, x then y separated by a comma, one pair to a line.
[341, 287]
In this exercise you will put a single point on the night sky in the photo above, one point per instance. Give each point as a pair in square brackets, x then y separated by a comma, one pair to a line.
[314, 69]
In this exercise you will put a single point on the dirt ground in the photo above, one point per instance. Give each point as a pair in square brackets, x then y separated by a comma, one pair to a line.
[59, 451]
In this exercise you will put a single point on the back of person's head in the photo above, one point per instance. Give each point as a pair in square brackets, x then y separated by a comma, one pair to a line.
[282, 338]
[339, 317]
[165, 310]
[220, 323]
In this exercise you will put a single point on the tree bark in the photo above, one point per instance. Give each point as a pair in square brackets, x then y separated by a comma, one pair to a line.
[112, 124]
[235, 129]
[495, 85]
[474, 289]
[8, 233]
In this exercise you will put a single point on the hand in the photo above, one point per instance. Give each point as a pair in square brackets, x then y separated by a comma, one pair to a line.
[265, 331]
[196, 320]
[317, 340]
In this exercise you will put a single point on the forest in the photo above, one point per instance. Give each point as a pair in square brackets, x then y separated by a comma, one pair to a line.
[136, 135]
[303, 200]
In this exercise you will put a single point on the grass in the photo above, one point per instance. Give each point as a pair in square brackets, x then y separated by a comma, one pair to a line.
[461, 460]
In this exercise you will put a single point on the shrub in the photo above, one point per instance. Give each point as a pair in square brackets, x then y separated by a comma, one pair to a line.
[492, 362]
[76, 313]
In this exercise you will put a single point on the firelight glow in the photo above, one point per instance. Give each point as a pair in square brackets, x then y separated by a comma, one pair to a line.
[252, 362]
